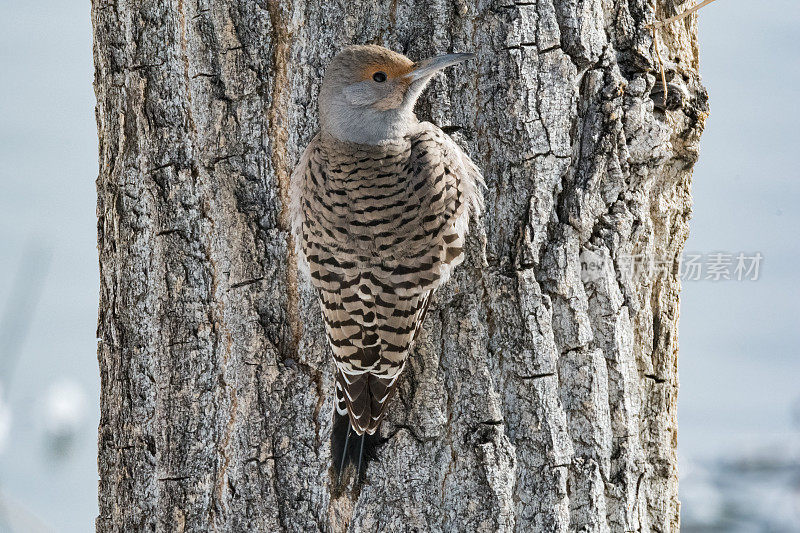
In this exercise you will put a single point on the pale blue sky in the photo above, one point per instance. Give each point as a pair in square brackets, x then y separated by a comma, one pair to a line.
[739, 363]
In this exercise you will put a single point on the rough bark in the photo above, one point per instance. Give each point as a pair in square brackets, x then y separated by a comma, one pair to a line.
[540, 397]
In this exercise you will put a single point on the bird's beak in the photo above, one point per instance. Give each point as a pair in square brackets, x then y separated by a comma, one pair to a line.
[427, 68]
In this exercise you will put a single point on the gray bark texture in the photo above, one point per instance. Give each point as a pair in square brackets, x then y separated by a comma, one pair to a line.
[541, 395]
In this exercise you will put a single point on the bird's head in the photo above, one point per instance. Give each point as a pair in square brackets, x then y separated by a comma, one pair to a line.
[369, 92]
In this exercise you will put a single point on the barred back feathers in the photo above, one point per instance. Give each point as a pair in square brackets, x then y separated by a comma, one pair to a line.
[379, 225]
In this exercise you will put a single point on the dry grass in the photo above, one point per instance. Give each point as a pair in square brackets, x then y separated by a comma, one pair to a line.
[660, 24]
[679, 16]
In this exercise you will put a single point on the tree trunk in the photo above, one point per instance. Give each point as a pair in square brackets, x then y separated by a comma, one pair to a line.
[541, 395]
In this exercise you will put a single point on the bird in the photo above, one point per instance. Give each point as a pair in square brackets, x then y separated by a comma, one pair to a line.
[380, 205]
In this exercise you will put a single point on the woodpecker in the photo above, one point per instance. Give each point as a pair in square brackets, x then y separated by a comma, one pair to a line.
[380, 207]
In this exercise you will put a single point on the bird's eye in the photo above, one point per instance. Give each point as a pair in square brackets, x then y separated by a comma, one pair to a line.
[380, 77]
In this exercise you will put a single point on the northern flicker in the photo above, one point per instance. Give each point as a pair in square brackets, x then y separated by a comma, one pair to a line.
[380, 205]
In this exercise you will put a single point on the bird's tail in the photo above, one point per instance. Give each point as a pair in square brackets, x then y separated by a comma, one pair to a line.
[350, 453]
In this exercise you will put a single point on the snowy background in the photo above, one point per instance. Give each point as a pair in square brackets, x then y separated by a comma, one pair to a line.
[739, 440]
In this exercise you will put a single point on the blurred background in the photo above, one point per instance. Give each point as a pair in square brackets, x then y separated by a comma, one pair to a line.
[739, 404]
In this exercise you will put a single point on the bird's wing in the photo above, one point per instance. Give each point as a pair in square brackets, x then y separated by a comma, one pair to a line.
[299, 184]
[446, 195]
[370, 341]
[380, 233]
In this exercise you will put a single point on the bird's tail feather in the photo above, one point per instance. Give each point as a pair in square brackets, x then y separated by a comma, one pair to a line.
[350, 453]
